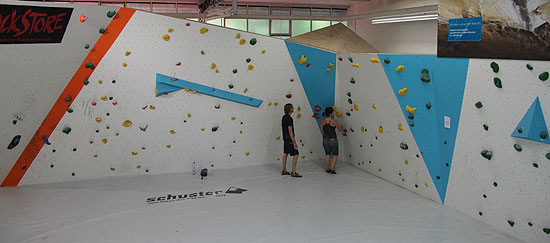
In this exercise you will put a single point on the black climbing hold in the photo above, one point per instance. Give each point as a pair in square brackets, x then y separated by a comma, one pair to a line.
[51, 166]
[520, 130]
[73, 174]
[114, 81]
[90, 66]
[108, 114]
[486, 127]
[437, 177]
[530, 224]
[480, 214]
[86, 46]
[67, 130]
[517, 147]
[428, 105]
[349, 94]
[543, 76]
[411, 116]
[248, 60]
[68, 99]
[69, 110]
[484, 196]
[14, 122]
[253, 41]
[495, 184]
[548, 155]
[110, 14]
[447, 164]
[411, 124]
[498, 82]
[351, 129]
[204, 172]
[387, 60]
[404, 146]
[546, 230]
[495, 67]
[543, 135]
[479, 104]
[416, 185]
[352, 80]
[217, 106]
[535, 165]
[511, 223]
[234, 70]
[350, 101]
[14, 142]
[348, 114]
[111, 98]
[230, 86]
[102, 30]
[86, 82]
[350, 59]
[529, 67]
[487, 154]
[424, 76]
[214, 128]
[53, 150]
[74, 149]
[24, 167]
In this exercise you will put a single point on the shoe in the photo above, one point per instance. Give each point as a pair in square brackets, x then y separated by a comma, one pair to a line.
[333, 172]
[295, 174]
[328, 171]
[285, 172]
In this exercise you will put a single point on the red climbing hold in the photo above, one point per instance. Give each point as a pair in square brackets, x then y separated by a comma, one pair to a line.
[317, 108]
[307, 65]
[114, 103]
[83, 18]
[188, 24]
[94, 104]
[288, 96]
[173, 79]
[340, 59]
[291, 80]
[178, 64]
[165, 93]
[143, 108]
[316, 116]
[202, 52]
[143, 128]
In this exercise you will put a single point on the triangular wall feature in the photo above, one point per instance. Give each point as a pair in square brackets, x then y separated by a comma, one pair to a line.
[437, 100]
[532, 124]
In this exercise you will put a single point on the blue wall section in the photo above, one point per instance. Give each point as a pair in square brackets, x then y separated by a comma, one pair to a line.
[319, 84]
[444, 92]
[532, 124]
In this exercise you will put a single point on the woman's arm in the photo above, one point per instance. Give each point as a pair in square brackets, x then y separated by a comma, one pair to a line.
[322, 124]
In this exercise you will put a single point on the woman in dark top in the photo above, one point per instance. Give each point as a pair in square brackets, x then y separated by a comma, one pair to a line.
[330, 140]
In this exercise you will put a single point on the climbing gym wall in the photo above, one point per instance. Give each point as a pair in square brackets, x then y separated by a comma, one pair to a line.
[170, 93]
[500, 173]
[34, 75]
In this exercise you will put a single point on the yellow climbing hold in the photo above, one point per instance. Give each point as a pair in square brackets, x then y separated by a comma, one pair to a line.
[362, 129]
[124, 64]
[245, 90]
[400, 127]
[188, 115]
[426, 185]
[303, 156]
[269, 104]
[338, 114]
[278, 159]
[277, 138]
[298, 115]
[134, 153]
[212, 66]
[247, 153]
[374, 106]
[104, 140]
[363, 162]
[375, 60]
[233, 118]
[334, 107]
[156, 91]
[152, 107]
[302, 59]
[217, 71]
[299, 108]
[356, 107]
[203, 30]
[330, 64]
[95, 155]
[355, 65]
[112, 169]
[194, 92]
[97, 119]
[276, 103]
[127, 123]
[202, 129]
[403, 180]
[250, 67]
[187, 90]
[241, 132]
[172, 132]
[406, 162]
[168, 146]
[170, 30]
[403, 91]
[139, 166]
[103, 97]
[242, 41]
[411, 110]
[127, 53]
[381, 129]
[263, 51]
[329, 69]
[399, 68]
[99, 81]
[379, 170]
[166, 37]
[237, 36]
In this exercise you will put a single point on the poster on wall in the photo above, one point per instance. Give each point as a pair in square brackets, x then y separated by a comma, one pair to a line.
[501, 29]
[21, 24]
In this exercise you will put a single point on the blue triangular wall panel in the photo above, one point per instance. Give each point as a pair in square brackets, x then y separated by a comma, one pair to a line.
[532, 124]
[444, 92]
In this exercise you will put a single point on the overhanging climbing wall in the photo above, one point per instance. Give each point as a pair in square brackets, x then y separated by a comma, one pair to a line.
[378, 138]
[496, 178]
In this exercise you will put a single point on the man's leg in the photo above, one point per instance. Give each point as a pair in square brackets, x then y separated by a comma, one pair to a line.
[294, 162]
[284, 161]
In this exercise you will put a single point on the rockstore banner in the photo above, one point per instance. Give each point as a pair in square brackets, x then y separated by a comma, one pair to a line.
[21, 24]
[501, 29]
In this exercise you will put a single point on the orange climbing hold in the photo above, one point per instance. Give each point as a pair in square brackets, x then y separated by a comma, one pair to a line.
[166, 37]
[172, 132]
[127, 123]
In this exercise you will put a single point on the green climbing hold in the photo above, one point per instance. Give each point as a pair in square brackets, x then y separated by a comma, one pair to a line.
[102, 30]
[349, 94]
[487, 154]
[230, 86]
[110, 14]
[248, 60]
[486, 127]
[424, 76]
[86, 82]
[428, 105]
[548, 155]
[529, 67]
[543, 76]
[67, 130]
[511, 223]
[348, 114]
[404, 146]
[495, 67]
[69, 110]
[517, 147]
[234, 70]
[89, 65]
[520, 130]
[546, 230]
[350, 59]
[214, 128]
[387, 61]
[411, 116]
[479, 105]
[253, 41]
[498, 83]
[351, 129]
[68, 99]
[350, 101]
[543, 135]
[352, 80]
[87, 46]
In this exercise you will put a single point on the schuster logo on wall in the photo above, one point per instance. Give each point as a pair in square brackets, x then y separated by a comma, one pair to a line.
[30, 24]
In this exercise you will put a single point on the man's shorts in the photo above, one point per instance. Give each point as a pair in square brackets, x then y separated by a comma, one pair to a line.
[289, 148]
[331, 146]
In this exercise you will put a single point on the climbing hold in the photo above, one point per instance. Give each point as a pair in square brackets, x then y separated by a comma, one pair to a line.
[330, 64]
[352, 80]
[143, 129]
[230, 86]
[355, 65]
[348, 114]
[543, 76]
[399, 68]
[428, 105]
[124, 64]
[97, 119]
[356, 107]
[253, 41]
[402, 91]
[495, 67]
[245, 90]
[411, 124]
[67, 130]
[203, 30]
[202, 52]
[217, 106]
[409, 109]
[242, 41]
[411, 116]
[511, 223]
[152, 107]
[520, 130]
[529, 67]
[248, 60]
[329, 69]
[134, 153]
[215, 128]
[83, 18]
[86, 82]
[299, 108]
[349, 94]
[127, 53]
[338, 114]
[362, 129]
[102, 30]
[114, 103]
[234, 70]
[381, 129]
[86, 46]
[479, 105]
[250, 67]
[127, 123]
[487, 154]
[94, 104]
[14, 142]
[170, 30]
[212, 66]
[298, 115]
[69, 110]
[114, 81]
[247, 153]
[424, 76]
[275, 104]
[546, 230]
[387, 61]
[68, 99]
[110, 14]
[374, 106]
[375, 60]
[103, 98]
[172, 132]
[237, 36]
[498, 82]
[486, 127]
[350, 59]
[112, 169]
[517, 147]
[89, 65]
[334, 107]
[543, 135]
[168, 146]
[350, 101]
[404, 146]
[233, 118]
[188, 115]
[400, 127]
[302, 59]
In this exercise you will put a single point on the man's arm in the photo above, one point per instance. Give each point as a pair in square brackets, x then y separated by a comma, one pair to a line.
[291, 133]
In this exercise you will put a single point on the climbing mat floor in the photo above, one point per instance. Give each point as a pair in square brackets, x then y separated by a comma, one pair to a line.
[351, 206]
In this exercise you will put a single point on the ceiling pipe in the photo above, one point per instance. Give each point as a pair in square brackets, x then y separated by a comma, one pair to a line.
[234, 4]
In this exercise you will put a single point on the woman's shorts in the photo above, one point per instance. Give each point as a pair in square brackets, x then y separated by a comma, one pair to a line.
[331, 146]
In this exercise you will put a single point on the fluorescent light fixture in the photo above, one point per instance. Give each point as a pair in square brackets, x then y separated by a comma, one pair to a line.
[397, 19]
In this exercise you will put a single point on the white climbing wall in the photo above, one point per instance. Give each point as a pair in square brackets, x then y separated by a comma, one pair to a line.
[250, 139]
[33, 76]
[522, 191]
[375, 151]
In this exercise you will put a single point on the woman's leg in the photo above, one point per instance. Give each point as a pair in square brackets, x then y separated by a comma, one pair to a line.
[327, 162]
[334, 158]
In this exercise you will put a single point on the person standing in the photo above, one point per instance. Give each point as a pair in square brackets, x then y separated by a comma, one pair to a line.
[330, 140]
[289, 138]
